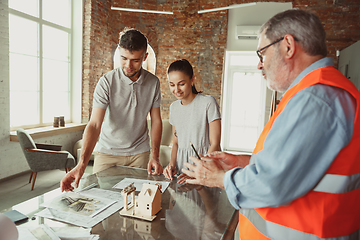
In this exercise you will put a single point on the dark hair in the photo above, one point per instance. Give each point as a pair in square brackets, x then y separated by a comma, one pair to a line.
[132, 40]
[303, 25]
[184, 66]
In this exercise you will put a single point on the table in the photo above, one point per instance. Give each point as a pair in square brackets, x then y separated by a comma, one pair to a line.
[186, 213]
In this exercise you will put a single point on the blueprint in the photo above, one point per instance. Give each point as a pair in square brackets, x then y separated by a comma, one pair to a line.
[115, 203]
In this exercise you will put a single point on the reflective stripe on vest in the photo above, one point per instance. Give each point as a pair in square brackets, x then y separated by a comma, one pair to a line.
[279, 232]
[332, 183]
[332, 209]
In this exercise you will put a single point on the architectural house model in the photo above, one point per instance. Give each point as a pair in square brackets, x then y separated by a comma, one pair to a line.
[147, 204]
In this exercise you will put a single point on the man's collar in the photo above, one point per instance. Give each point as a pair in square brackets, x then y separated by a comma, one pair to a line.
[324, 62]
[128, 80]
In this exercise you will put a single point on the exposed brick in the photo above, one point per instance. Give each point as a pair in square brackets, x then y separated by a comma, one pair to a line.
[199, 38]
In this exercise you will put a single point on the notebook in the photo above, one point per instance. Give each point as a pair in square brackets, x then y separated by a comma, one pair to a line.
[16, 216]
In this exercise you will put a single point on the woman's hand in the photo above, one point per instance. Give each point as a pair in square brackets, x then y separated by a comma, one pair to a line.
[169, 172]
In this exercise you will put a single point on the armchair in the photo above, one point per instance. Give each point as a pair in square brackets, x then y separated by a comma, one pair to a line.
[166, 139]
[43, 157]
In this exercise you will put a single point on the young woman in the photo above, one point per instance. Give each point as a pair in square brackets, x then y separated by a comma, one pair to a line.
[194, 117]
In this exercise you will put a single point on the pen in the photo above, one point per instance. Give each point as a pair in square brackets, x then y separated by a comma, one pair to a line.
[197, 155]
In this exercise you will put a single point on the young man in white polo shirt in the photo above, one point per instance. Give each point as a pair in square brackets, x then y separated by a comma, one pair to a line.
[123, 98]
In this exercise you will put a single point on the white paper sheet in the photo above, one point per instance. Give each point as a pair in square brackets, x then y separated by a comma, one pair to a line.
[42, 232]
[75, 233]
[86, 221]
[25, 234]
[66, 233]
[138, 183]
[79, 203]
[8, 229]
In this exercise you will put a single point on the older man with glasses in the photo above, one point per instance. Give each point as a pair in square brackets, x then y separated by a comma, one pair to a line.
[303, 179]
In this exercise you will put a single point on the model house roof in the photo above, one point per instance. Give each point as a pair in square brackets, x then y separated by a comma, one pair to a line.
[148, 192]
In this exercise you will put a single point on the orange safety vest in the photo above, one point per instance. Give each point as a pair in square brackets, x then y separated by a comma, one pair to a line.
[332, 208]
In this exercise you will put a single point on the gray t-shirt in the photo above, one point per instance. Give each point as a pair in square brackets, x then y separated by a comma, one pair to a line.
[124, 131]
[191, 122]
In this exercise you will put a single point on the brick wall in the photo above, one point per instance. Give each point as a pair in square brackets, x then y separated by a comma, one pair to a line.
[200, 38]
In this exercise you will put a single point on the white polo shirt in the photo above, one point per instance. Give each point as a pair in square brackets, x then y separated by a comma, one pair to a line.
[124, 131]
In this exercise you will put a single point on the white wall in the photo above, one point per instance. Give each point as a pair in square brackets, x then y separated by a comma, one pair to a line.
[248, 16]
[255, 15]
[12, 160]
[349, 62]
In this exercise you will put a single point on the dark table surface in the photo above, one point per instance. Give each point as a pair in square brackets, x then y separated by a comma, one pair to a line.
[186, 213]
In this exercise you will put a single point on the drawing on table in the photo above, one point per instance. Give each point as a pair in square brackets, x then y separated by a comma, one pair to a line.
[81, 220]
[79, 204]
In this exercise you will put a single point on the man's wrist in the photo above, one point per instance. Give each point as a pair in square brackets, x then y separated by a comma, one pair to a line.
[154, 154]
[82, 163]
[156, 159]
[220, 180]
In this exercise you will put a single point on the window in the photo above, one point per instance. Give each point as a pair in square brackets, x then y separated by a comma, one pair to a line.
[243, 107]
[40, 40]
[150, 62]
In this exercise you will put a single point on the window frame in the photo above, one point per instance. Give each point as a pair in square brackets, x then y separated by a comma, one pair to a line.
[230, 70]
[75, 60]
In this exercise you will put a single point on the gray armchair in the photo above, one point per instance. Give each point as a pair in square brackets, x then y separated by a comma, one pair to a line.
[166, 139]
[43, 157]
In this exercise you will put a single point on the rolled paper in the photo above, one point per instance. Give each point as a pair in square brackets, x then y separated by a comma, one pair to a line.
[8, 228]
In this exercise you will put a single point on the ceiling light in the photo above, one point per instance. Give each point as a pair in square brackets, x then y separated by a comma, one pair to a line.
[228, 7]
[140, 10]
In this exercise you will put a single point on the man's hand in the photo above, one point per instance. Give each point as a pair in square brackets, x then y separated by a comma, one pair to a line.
[182, 178]
[206, 172]
[155, 163]
[74, 174]
[229, 161]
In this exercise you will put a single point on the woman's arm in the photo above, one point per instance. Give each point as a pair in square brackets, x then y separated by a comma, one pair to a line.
[214, 135]
[170, 170]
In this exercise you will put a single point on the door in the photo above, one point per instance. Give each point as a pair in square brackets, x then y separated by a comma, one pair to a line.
[243, 106]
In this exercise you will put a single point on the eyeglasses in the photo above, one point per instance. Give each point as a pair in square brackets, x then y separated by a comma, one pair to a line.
[259, 52]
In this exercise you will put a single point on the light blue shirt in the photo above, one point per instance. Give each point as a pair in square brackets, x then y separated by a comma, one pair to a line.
[303, 142]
